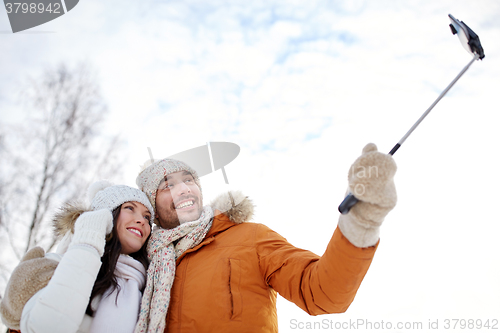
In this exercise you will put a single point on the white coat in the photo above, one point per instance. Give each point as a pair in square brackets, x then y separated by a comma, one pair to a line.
[60, 306]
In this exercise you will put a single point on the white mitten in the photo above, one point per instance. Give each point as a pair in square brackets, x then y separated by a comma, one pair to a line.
[371, 180]
[91, 229]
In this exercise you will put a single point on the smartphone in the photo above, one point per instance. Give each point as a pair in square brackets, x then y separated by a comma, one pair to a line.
[468, 38]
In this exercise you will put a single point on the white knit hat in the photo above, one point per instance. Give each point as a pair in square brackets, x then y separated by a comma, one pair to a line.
[149, 178]
[103, 194]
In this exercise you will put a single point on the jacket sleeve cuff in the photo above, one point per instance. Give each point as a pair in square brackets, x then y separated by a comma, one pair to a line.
[358, 235]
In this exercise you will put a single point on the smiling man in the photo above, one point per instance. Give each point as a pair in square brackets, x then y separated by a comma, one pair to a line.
[213, 271]
[180, 199]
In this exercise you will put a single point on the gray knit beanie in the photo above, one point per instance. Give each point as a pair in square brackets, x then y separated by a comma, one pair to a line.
[149, 178]
[103, 194]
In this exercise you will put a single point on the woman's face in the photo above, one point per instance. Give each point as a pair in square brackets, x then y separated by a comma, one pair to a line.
[133, 226]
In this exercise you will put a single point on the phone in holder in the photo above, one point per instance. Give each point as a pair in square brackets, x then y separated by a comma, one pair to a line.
[468, 38]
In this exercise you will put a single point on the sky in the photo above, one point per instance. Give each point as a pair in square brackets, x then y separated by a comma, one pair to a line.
[301, 87]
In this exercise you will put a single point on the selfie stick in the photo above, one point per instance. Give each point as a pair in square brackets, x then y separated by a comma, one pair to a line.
[471, 43]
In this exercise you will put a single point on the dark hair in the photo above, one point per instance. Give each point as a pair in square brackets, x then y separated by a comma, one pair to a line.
[106, 278]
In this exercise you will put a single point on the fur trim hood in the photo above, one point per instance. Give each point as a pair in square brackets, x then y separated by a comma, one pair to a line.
[65, 218]
[236, 206]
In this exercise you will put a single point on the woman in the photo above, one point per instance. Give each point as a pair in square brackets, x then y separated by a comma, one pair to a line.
[84, 295]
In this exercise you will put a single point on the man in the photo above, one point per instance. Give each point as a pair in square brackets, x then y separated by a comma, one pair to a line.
[216, 272]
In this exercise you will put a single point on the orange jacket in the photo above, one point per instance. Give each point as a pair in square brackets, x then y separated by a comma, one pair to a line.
[228, 282]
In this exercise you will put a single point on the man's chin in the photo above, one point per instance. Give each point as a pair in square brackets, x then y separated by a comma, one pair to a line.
[169, 225]
[185, 217]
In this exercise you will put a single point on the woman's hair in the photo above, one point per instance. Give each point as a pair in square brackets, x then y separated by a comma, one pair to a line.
[106, 277]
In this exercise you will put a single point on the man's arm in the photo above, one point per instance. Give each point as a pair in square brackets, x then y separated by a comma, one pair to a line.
[318, 285]
[329, 284]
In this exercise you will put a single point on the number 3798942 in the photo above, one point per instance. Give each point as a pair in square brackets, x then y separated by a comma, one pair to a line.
[24, 7]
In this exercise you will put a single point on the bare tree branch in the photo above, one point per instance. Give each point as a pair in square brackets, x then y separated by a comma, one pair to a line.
[51, 156]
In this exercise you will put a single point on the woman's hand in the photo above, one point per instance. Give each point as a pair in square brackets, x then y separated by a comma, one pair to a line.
[91, 229]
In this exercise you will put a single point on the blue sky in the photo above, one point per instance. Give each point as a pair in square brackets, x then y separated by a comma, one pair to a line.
[301, 87]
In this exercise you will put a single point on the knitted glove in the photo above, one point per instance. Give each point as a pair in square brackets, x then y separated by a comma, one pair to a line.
[32, 274]
[91, 229]
[371, 181]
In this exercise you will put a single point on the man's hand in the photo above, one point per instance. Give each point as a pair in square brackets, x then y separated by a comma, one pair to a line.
[371, 181]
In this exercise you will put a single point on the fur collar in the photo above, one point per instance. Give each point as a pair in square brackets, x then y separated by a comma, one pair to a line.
[237, 207]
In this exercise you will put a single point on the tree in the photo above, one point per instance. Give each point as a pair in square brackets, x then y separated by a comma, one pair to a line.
[50, 158]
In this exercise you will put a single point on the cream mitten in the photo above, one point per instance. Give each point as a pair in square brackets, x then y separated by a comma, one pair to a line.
[91, 229]
[32, 274]
[371, 181]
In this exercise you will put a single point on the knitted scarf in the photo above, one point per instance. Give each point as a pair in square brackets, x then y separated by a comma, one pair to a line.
[162, 253]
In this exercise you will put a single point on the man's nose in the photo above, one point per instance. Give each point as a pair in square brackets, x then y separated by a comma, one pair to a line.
[182, 188]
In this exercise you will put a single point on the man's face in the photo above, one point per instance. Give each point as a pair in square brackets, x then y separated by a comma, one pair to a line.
[178, 200]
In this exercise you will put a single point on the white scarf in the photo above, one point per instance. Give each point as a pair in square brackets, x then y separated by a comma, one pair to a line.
[161, 272]
[120, 314]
